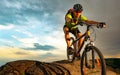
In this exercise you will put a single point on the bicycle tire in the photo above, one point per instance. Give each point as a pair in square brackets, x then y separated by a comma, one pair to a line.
[102, 61]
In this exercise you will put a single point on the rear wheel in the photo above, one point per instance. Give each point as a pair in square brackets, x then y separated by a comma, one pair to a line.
[92, 62]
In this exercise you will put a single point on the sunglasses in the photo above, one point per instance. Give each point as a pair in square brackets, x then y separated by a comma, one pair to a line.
[78, 11]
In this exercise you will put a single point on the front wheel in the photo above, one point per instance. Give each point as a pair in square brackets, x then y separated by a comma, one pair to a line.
[92, 62]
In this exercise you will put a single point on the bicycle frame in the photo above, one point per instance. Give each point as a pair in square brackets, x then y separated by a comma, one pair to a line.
[86, 36]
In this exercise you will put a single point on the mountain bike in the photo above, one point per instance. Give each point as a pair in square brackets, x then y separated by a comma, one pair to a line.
[92, 60]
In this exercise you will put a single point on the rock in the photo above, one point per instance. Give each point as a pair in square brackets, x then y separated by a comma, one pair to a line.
[31, 67]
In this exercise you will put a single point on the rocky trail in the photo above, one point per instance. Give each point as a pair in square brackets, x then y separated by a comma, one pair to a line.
[31, 67]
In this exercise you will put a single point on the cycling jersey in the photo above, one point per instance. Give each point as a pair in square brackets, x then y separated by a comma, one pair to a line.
[72, 24]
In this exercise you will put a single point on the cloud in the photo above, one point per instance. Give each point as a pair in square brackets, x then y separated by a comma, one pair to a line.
[39, 9]
[21, 53]
[13, 4]
[26, 42]
[7, 27]
[14, 52]
[27, 33]
[8, 54]
[45, 47]
[37, 46]
[33, 32]
[50, 57]
[112, 56]
[6, 41]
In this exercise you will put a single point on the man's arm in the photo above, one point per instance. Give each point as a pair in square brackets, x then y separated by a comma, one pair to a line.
[100, 24]
[91, 22]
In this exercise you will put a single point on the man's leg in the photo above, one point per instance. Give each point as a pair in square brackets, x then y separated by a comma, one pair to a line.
[79, 42]
[67, 36]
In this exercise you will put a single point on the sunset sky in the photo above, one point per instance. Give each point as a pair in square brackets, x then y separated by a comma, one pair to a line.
[33, 29]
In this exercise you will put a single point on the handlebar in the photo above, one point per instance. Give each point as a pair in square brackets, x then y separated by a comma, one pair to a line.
[87, 30]
[99, 25]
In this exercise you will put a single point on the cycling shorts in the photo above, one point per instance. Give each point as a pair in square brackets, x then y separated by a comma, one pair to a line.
[73, 31]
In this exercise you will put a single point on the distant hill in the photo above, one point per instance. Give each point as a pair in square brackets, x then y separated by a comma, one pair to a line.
[114, 63]
[32, 67]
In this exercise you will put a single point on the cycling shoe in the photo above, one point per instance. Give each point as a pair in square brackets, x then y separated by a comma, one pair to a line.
[70, 50]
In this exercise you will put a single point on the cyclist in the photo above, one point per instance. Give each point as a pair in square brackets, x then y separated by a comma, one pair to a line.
[73, 17]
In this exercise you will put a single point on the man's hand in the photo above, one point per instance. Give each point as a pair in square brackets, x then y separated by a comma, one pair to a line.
[101, 25]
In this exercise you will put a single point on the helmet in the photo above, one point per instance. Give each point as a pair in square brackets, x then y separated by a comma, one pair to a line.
[78, 7]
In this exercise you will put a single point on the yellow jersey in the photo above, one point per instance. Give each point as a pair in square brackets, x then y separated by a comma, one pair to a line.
[73, 23]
